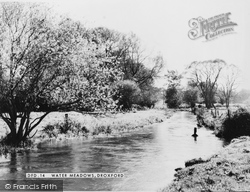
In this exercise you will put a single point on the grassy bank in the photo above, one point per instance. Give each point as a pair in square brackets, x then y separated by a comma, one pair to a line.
[215, 122]
[90, 125]
[229, 170]
[85, 125]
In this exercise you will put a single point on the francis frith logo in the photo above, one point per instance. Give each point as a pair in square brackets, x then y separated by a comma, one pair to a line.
[211, 28]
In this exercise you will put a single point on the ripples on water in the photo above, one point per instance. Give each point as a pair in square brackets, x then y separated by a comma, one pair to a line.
[147, 157]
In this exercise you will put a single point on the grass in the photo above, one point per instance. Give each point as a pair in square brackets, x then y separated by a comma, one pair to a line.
[92, 126]
[229, 170]
[85, 125]
[216, 123]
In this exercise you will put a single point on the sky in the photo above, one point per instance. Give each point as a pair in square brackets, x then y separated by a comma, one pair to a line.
[162, 26]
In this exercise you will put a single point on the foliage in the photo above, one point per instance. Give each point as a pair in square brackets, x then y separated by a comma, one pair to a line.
[173, 95]
[237, 124]
[102, 129]
[128, 93]
[47, 62]
[173, 98]
[66, 127]
[88, 125]
[53, 63]
[148, 98]
[139, 68]
[190, 96]
[34, 63]
[63, 128]
[173, 78]
[100, 68]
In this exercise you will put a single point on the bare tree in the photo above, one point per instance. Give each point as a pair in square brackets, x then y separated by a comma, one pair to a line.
[228, 83]
[205, 75]
[133, 62]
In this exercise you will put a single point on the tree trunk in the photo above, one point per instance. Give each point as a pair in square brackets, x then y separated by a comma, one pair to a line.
[16, 135]
[208, 103]
[227, 103]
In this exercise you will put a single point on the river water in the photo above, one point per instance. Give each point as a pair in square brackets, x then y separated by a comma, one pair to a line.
[147, 157]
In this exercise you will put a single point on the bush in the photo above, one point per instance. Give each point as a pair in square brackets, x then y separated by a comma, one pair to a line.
[102, 129]
[236, 125]
[128, 92]
[50, 130]
[190, 97]
[147, 99]
[63, 128]
[173, 98]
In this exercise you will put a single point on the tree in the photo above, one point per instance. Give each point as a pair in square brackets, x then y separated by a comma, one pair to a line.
[126, 51]
[173, 96]
[228, 83]
[128, 93]
[190, 96]
[205, 75]
[35, 64]
[99, 67]
[220, 97]
[133, 63]
[173, 78]
[149, 97]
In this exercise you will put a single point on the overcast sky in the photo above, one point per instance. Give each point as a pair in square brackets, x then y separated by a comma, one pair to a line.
[162, 26]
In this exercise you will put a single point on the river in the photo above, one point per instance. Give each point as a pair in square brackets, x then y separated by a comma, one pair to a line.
[147, 157]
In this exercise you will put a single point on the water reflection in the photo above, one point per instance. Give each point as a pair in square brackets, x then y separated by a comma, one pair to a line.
[147, 157]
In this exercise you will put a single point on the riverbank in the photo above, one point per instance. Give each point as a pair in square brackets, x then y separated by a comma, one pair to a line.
[214, 119]
[229, 170]
[147, 156]
[91, 126]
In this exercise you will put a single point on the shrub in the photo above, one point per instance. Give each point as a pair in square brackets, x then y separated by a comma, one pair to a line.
[50, 130]
[190, 97]
[63, 128]
[173, 98]
[105, 129]
[128, 92]
[236, 125]
[149, 97]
